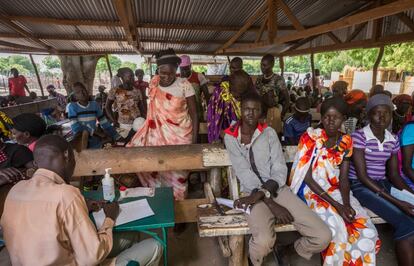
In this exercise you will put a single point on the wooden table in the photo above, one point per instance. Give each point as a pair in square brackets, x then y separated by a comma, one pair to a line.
[163, 206]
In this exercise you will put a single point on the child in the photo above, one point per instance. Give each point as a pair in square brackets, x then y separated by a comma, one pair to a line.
[297, 124]
[84, 113]
[27, 128]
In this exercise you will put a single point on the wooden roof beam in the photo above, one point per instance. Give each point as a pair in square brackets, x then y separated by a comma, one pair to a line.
[333, 37]
[23, 32]
[406, 20]
[20, 46]
[61, 21]
[271, 20]
[289, 14]
[124, 10]
[117, 23]
[262, 28]
[370, 43]
[356, 31]
[259, 12]
[374, 13]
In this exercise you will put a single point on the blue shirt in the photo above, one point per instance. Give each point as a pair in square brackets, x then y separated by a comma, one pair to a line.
[85, 118]
[293, 128]
[407, 137]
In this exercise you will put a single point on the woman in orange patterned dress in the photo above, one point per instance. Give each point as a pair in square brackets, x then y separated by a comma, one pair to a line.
[320, 177]
[171, 120]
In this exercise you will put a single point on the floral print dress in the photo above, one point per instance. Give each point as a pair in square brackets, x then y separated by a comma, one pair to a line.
[353, 243]
[168, 123]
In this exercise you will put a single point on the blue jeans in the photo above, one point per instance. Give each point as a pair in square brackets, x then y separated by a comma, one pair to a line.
[402, 223]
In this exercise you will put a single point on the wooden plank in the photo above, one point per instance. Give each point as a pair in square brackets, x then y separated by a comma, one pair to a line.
[20, 46]
[142, 159]
[374, 13]
[60, 21]
[281, 65]
[23, 32]
[124, 11]
[376, 64]
[356, 31]
[385, 40]
[271, 20]
[406, 20]
[262, 28]
[214, 157]
[37, 74]
[236, 244]
[243, 29]
[203, 130]
[333, 37]
[185, 211]
[289, 14]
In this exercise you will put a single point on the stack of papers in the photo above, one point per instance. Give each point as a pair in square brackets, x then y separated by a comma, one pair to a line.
[403, 195]
[128, 212]
[230, 203]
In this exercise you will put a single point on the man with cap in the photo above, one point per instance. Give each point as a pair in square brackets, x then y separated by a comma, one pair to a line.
[199, 83]
[60, 98]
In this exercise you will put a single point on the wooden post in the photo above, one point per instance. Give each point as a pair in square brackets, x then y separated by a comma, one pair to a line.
[109, 65]
[215, 181]
[376, 64]
[37, 75]
[281, 65]
[313, 70]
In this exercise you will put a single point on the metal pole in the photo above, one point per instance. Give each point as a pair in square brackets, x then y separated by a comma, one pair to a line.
[37, 74]
[109, 65]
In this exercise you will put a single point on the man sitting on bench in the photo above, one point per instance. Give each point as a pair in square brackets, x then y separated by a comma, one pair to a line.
[257, 157]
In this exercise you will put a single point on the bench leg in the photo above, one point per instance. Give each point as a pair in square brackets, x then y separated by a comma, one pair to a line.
[237, 251]
[215, 181]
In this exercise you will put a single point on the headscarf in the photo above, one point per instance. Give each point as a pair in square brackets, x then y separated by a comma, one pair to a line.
[402, 98]
[355, 96]
[167, 57]
[6, 124]
[379, 99]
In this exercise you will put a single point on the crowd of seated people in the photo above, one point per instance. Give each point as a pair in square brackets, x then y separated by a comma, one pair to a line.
[363, 143]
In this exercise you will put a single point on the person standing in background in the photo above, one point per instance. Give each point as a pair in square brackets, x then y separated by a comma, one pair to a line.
[142, 86]
[17, 84]
[199, 83]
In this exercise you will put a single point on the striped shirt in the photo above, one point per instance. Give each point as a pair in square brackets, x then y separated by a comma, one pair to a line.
[376, 153]
[293, 128]
[85, 117]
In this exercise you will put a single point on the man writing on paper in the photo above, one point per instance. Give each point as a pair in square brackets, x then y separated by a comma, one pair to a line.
[254, 147]
[46, 221]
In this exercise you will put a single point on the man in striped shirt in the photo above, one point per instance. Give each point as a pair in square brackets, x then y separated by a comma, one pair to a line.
[84, 114]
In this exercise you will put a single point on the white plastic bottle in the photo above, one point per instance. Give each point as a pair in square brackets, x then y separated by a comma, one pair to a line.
[108, 186]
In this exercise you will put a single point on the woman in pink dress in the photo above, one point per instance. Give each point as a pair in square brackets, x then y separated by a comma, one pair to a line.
[171, 120]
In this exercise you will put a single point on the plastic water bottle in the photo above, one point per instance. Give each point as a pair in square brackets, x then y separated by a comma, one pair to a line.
[108, 186]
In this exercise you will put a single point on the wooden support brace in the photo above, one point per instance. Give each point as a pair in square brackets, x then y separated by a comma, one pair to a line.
[37, 75]
[262, 28]
[333, 37]
[271, 20]
[298, 26]
[406, 20]
[376, 64]
[312, 61]
[356, 31]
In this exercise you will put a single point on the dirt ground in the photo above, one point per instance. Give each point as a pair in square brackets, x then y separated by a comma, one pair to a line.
[188, 249]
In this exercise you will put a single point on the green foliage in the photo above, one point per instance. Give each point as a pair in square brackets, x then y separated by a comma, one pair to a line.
[129, 64]
[51, 62]
[20, 62]
[102, 67]
[199, 68]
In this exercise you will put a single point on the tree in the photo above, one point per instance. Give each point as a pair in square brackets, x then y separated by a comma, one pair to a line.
[199, 68]
[51, 62]
[129, 64]
[22, 63]
[114, 61]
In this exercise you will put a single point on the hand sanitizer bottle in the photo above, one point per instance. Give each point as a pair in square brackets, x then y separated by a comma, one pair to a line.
[108, 186]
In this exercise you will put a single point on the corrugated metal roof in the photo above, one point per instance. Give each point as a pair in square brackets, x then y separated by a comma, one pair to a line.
[229, 13]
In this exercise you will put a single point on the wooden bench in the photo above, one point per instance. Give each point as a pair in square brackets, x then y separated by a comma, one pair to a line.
[199, 157]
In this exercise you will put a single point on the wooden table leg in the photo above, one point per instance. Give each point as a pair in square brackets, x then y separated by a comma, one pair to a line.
[215, 181]
[237, 251]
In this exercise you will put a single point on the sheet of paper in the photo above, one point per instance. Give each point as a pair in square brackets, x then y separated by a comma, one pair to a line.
[128, 212]
[403, 195]
[230, 203]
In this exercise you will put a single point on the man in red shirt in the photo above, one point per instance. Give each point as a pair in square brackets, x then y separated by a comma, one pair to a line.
[17, 84]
